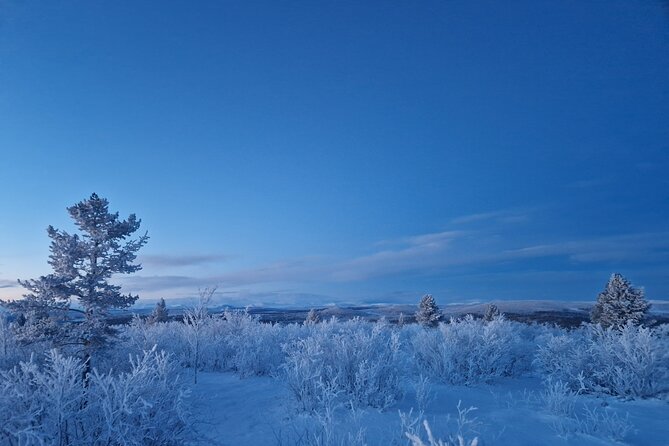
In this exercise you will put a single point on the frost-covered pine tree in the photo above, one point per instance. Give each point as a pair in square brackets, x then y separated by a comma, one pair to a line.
[89, 260]
[159, 313]
[82, 266]
[619, 303]
[491, 312]
[428, 313]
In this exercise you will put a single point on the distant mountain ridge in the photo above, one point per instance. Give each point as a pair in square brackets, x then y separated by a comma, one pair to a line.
[564, 313]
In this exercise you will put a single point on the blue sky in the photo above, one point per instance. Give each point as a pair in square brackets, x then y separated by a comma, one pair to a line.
[313, 152]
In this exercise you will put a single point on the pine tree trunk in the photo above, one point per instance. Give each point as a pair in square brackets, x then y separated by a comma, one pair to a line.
[86, 373]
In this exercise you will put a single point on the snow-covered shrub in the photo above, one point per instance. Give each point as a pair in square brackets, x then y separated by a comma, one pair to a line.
[558, 399]
[468, 350]
[357, 359]
[630, 360]
[50, 404]
[604, 423]
[565, 357]
[180, 340]
[465, 424]
[37, 405]
[423, 390]
[330, 426]
[144, 406]
[142, 335]
[303, 367]
[234, 341]
[255, 348]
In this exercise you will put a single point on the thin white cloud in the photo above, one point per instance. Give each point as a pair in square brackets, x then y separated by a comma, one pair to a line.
[168, 260]
[471, 218]
[429, 254]
[639, 247]
[418, 252]
[138, 283]
[435, 239]
[8, 283]
[499, 216]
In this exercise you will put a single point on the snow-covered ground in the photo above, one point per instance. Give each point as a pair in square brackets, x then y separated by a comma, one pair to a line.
[257, 410]
[342, 382]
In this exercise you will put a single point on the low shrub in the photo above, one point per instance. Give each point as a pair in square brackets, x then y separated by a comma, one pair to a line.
[50, 404]
[468, 351]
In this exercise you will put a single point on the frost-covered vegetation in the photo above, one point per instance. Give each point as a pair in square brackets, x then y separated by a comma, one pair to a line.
[328, 367]
[48, 402]
[84, 382]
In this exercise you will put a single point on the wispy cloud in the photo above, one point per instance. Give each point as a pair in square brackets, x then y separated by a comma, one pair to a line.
[8, 283]
[302, 270]
[434, 240]
[414, 253]
[168, 260]
[471, 218]
[159, 282]
[481, 242]
[432, 253]
[499, 216]
[638, 247]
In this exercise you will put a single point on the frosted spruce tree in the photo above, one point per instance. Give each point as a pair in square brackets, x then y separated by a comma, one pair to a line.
[82, 265]
[428, 313]
[159, 313]
[619, 303]
[491, 312]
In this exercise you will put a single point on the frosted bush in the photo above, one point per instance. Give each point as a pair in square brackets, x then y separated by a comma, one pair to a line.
[303, 367]
[465, 424]
[565, 357]
[142, 335]
[36, 405]
[144, 406]
[255, 348]
[50, 404]
[423, 390]
[357, 359]
[468, 351]
[605, 423]
[629, 361]
[558, 399]
[234, 341]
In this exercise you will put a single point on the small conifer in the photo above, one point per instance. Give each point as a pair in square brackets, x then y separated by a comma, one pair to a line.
[619, 303]
[428, 313]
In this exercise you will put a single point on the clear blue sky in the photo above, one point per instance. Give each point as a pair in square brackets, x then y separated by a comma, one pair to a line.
[360, 151]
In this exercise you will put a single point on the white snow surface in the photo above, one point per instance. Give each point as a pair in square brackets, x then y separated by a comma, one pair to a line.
[257, 410]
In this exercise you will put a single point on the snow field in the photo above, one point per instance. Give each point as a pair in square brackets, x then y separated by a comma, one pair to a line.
[343, 383]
